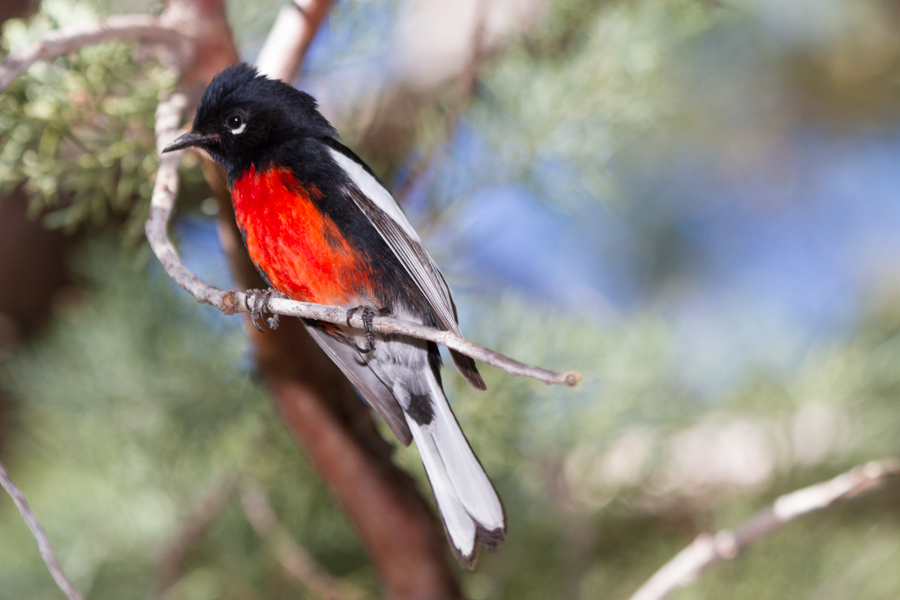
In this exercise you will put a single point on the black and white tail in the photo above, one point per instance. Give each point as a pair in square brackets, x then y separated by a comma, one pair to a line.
[469, 505]
[400, 383]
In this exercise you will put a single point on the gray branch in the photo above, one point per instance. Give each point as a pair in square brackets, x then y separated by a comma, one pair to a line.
[39, 535]
[63, 41]
[171, 559]
[709, 550]
[293, 558]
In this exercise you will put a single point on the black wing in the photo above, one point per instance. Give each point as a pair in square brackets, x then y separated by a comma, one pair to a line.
[385, 214]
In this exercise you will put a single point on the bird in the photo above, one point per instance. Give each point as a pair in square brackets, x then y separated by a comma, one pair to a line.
[321, 227]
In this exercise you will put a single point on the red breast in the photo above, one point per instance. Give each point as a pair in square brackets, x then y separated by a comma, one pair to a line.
[300, 250]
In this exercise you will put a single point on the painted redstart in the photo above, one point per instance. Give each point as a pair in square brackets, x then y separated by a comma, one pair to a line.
[320, 227]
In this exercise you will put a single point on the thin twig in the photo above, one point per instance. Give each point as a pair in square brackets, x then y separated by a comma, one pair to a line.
[63, 41]
[230, 302]
[708, 550]
[338, 315]
[292, 557]
[40, 536]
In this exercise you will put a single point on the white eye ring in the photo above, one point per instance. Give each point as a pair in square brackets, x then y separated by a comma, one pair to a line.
[236, 124]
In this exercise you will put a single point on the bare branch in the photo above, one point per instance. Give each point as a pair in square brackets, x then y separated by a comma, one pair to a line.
[292, 557]
[40, 536]
[62, 41]
[230, 302]
[338, 315]
[165, 190]
[289, 38]
[709, 550]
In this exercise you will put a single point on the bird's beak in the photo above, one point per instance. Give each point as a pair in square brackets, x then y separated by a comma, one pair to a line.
[191, 138]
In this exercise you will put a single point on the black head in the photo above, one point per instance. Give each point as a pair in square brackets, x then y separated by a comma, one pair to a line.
[245, 118]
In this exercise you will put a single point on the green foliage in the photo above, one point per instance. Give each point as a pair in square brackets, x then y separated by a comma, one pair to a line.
[78, 131]
[128, 421]
[137, 400]
[597, 77]
[136, 418]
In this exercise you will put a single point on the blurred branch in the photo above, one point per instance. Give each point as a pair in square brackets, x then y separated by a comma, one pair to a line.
[468, 80]
[204, 512]
[39, 535]
[709, 550]
[292, 557]
[62, 41]
[290, 37]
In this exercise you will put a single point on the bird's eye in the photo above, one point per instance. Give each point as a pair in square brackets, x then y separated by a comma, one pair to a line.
[235, 123]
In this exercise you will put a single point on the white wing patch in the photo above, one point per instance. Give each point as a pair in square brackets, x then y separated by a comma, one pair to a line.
[369, 186]
[385, 215]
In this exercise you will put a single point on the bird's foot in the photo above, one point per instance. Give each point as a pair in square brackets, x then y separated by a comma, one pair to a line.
[257, 302]
[368, 313]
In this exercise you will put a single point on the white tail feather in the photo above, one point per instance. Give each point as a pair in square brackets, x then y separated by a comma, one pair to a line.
[460, 526]
[465, 496]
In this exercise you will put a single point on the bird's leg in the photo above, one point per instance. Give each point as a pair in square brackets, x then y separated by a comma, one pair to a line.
[257, 302]
[368, 313]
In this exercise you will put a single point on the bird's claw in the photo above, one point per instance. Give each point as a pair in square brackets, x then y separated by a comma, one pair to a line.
[257, 302]
[368, 313]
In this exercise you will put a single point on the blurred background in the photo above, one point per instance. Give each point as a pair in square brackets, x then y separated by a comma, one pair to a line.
[694, 203]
